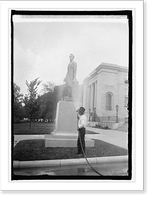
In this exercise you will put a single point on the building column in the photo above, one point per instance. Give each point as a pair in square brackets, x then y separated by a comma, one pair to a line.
[92, 97]
[95, 94]
[88, 99]
[95, 103]
[85, 96]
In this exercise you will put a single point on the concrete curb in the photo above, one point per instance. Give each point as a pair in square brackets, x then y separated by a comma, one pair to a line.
[66, 162]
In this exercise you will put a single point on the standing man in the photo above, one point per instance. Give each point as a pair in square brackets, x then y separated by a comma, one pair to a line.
[70, 76]
[82, 121]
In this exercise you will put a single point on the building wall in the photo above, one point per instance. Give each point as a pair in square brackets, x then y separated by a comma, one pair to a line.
[106, 79]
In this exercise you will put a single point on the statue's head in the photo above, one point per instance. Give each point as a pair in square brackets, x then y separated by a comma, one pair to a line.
[71, 57]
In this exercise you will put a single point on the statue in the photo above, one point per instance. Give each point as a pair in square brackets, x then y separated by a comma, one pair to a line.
[70, 78]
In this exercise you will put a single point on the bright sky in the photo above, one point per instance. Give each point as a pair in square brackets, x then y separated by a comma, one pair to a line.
[42, 48]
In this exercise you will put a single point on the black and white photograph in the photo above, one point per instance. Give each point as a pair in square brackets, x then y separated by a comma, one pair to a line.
[71, 94]
[73, 88]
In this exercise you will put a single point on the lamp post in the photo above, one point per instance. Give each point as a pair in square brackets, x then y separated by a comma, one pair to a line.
[117, 107]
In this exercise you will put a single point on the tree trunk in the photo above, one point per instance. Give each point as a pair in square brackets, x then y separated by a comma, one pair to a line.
[30, 122]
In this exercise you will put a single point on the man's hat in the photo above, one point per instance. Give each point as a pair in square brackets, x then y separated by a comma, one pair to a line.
[81, 110]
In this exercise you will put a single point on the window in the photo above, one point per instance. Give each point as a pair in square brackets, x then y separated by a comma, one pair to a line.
[109, 101]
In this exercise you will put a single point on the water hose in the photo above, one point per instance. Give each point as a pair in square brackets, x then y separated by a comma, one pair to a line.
[87, 159]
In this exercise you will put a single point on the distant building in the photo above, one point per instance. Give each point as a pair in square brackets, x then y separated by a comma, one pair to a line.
[105, 94]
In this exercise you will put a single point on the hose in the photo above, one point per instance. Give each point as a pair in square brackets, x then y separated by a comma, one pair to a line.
[87, 159]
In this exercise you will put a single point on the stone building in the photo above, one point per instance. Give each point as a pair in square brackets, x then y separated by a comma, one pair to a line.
[105, 95]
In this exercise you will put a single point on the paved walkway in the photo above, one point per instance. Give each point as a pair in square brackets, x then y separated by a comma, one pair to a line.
[118, 138]
[106, 169]
[17, 138]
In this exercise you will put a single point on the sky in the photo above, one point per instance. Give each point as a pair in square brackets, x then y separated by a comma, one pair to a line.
[42, 48]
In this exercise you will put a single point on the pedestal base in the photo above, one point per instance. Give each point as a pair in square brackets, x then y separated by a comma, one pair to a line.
[66, 117]
[65, 140]
[65, 134]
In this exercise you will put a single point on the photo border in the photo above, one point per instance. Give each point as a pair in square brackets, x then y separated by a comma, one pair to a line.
[126, 13]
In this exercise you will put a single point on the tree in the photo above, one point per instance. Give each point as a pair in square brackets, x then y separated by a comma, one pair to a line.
[48, 87]
[18, 109]
[49, 100]
[47, 104]
[32, 100]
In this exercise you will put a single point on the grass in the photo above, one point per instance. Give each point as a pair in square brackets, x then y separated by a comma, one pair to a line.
[36, 129]
[29, 150]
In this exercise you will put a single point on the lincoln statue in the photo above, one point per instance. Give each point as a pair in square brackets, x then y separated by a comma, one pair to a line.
[70, 76]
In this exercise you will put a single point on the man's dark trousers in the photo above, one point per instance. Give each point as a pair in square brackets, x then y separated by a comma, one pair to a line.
[81, 136]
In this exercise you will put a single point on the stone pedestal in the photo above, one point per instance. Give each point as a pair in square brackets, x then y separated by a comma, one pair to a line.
[65, 134]
[66, 117]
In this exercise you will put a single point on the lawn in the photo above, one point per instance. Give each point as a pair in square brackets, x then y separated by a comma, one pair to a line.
[27, 150]
[36, 129]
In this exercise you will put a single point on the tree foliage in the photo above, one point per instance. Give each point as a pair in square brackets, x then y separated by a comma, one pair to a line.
[48, 87]
[18, 109]
[32, 100]
[49, 101]
[38, 106]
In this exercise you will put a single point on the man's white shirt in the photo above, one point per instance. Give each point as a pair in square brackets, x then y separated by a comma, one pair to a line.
[82, 121]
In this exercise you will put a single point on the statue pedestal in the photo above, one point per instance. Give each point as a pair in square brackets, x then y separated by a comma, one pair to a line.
[65, 134]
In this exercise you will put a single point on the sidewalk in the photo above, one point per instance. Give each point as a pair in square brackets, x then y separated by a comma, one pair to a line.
[118, 138]
[17, 138]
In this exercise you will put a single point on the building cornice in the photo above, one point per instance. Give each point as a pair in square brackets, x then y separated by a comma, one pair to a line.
[102, 66]
[111, 66]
